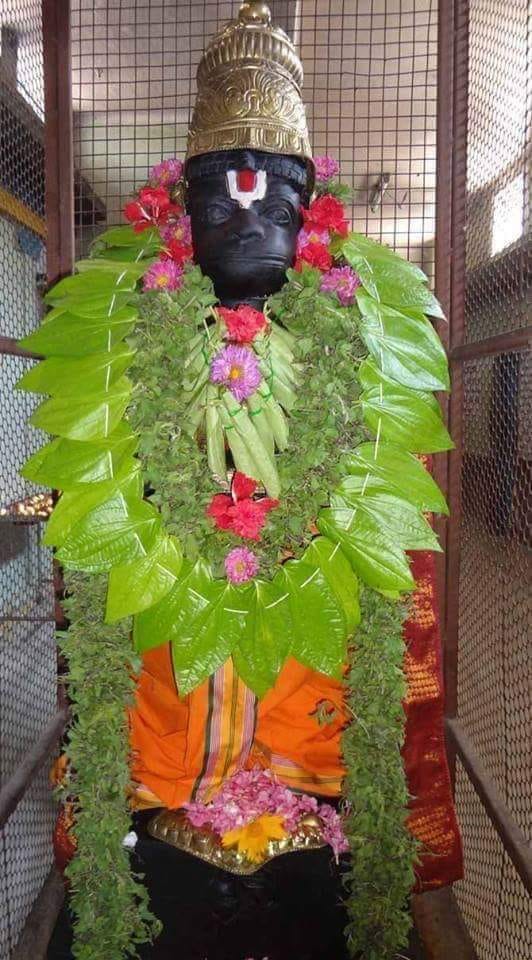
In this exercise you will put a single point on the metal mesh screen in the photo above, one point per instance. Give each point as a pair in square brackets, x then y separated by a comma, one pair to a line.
[494, 698]
[492, 897]
[28, 681]
[370, 90]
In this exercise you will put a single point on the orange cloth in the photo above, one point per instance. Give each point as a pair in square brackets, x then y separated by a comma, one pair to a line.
[184, 748]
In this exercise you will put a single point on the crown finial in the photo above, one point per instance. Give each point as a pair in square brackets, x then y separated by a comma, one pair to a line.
[254, 11]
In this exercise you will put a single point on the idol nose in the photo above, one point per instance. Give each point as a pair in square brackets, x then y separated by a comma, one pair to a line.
[246, 225]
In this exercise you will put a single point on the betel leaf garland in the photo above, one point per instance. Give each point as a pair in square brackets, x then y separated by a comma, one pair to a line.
[294, 432]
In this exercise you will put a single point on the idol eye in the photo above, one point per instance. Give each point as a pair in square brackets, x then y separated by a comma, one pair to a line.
[279, 214]
[217, 213]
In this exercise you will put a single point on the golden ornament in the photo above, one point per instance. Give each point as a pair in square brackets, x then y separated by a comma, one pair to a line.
[174, 827]
[249, 91]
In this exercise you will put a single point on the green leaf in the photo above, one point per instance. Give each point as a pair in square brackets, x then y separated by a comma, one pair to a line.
[115, 532]
[370, 375]
[319, 625]
[201, 617]
[250, 454]
[136, 586]
[339, 575]
[399, 520]
[125, 270]
[377, 561]
[206, 640]
[389, 278]
[405, 346]
[89, 417]
[74, 504]
[69, 335]
[66, 463]
[94, 284]
[145, 241]
[63, 377]
[397, 471]
[405, 418]
[265, 642]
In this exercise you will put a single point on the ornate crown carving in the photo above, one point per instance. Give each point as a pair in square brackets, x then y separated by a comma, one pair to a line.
[249, 91]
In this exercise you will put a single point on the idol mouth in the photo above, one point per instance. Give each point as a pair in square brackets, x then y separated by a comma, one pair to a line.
[249, 258]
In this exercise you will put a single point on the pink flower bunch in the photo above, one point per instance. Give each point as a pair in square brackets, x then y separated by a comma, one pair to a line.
[326, 168]
[249, 794]
[166, 173]
[180, 230]
[163, 275]
[342, 281]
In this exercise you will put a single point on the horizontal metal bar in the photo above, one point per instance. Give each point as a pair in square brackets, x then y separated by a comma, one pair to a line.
[10, 346]
[502, 343]
[37, 931]
[12, 792]
[515, 842]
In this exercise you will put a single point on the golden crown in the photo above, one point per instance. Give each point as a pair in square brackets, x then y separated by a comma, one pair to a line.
[249, 90]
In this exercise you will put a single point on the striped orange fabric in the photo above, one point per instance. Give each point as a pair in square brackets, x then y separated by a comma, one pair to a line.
[184, 748]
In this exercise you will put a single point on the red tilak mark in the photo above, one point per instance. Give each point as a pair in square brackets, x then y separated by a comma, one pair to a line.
[246, 180]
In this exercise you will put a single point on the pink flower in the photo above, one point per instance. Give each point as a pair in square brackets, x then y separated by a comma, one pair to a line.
[240, 565]
[249, 794]
[238, 369]
[326, 168]
[166, 173]
[343, 282]
[333, 831]
[310, 234]
[180, 230]
[164, 275]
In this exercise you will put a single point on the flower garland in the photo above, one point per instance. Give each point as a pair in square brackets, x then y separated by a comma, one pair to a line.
[328, 493]
[255, 799]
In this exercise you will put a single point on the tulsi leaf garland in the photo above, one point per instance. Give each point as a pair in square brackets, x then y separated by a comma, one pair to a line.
[346, 363]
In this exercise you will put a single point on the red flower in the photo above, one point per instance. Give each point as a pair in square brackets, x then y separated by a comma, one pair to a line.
[242, 486]
[218, 510]
[243, 324]
[237, 511]
[248, 518]
[316, 255]
[327, 213]
[152, 208]
[178, 252]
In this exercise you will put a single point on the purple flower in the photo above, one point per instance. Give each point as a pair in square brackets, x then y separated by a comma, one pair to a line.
[343, 282]
[238, 369]
[163, 275]
[179, 230]
[310, 234]
[240, 564]
[166, 173]
[326, 168]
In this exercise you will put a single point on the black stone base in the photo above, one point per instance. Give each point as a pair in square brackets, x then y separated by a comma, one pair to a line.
[291, 909]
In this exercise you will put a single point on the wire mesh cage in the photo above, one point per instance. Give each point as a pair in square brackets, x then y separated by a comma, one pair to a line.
[28, 682]
[494, 589]
[370, 90]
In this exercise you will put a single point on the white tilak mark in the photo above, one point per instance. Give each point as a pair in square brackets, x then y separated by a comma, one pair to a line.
[246, 197]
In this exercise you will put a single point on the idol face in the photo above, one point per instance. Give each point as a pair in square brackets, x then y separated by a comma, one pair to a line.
[245, 246]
